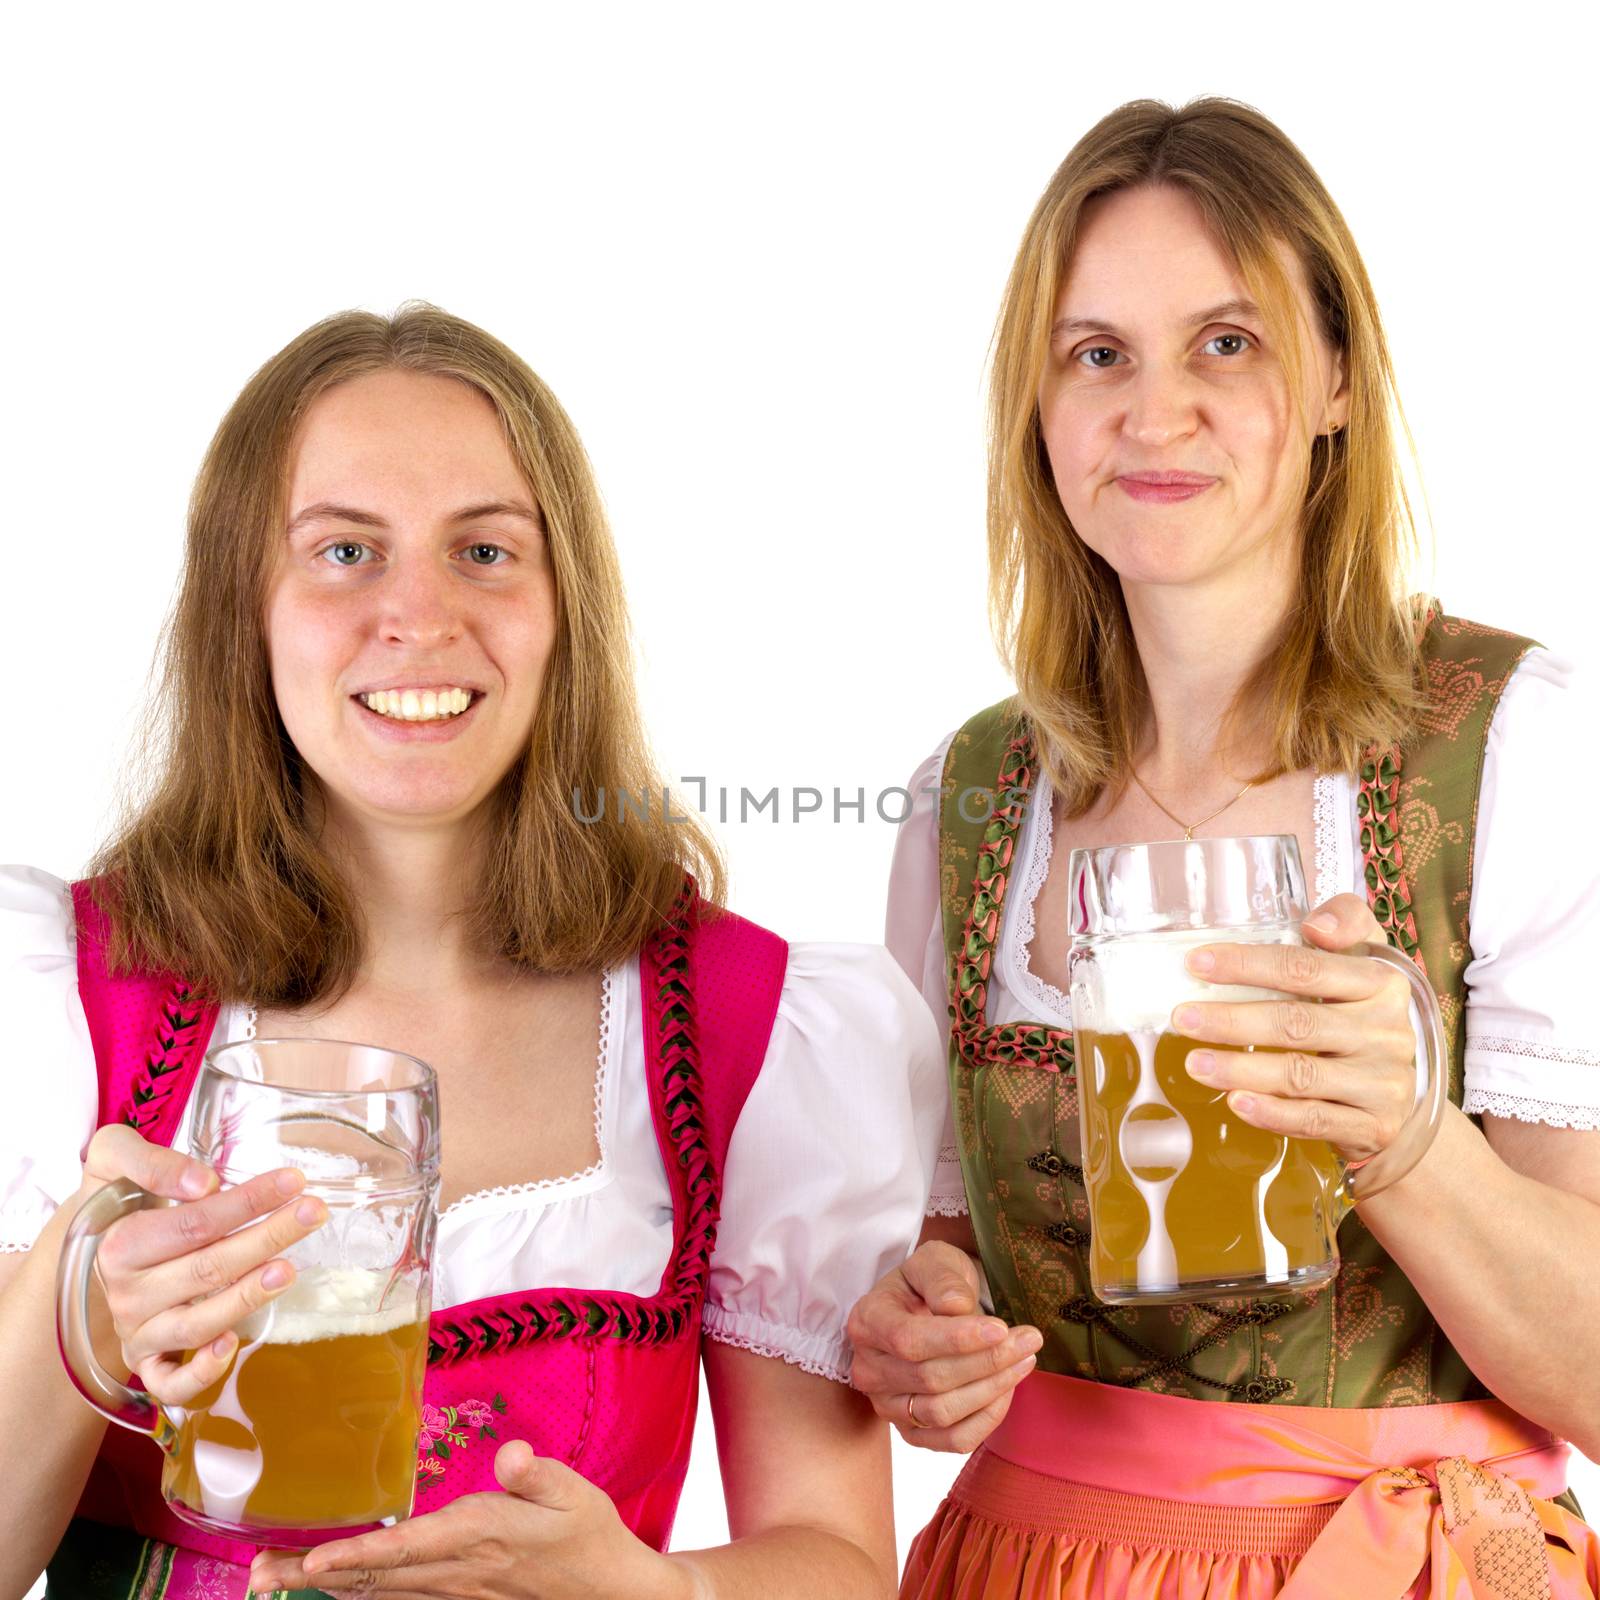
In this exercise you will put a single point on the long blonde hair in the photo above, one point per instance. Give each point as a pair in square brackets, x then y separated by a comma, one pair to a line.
[1346, 672]
[218, 875]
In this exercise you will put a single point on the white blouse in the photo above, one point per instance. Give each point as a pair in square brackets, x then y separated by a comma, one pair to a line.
[826, 1180]
[1533, 1045]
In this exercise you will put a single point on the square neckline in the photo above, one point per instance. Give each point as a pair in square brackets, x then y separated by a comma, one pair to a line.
[1332, 870]
[237, 1023]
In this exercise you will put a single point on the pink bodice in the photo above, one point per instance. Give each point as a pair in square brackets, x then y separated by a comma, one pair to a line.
[605, 1382]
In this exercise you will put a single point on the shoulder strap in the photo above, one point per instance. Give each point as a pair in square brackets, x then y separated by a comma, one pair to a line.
[149, 1029]
[720, 984]
[1419, 810]
[976, 784]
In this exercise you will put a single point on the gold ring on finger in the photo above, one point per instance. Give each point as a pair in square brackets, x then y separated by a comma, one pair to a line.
[911, 1411]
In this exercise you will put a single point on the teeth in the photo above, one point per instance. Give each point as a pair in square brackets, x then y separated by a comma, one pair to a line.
[418, 705]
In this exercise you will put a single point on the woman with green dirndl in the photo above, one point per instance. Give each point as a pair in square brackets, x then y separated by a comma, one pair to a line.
[1198, 543]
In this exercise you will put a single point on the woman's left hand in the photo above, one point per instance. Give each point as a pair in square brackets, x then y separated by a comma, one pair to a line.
[552, 1535]
[1343, 1071]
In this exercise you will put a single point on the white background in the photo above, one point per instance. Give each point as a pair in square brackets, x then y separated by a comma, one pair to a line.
[757, 252]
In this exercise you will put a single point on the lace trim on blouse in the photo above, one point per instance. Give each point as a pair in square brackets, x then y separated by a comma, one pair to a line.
[1532, 1047]
[1325, 825]
[722, 1326]
[1525, 1108]
[1041, 991]
[1485, 1102]
[537, 1185]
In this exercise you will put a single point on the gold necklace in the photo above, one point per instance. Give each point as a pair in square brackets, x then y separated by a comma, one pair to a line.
[1189, 827]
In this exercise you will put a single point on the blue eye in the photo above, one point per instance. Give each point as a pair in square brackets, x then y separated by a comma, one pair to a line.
[487, 555]
[347, 553]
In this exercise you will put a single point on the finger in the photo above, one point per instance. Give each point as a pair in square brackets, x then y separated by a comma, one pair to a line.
[207, 1271]
[1355, 1134]
[1293, 1075]
[966, 1435]
[415, 1583]
[944, 1278]
[277, 1569]
[176, 1382]
[538, 1479]
[147, 1238]
[1342, 922]
[188, 1327]
[953, 1406]
[1293, 1024]
[901, 1326]
[890, 1379]
[118, 1151]
[410, 1545]
[1293, 968]
[399, 1583]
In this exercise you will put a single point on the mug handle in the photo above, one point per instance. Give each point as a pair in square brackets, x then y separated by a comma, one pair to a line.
[1378, 1172]
[132, 1408]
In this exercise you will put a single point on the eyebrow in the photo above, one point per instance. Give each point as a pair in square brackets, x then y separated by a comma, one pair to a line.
[328, 511]
[1220, 312]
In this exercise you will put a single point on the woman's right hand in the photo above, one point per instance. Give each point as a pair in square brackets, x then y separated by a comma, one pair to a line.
[178, 1278]
[919, 1337]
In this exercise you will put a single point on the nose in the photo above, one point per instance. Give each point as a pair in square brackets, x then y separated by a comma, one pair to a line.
[421, 606]
[1162, 406]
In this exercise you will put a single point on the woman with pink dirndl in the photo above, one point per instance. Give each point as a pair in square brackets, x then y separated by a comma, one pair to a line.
[399, 719]
[1198, 545]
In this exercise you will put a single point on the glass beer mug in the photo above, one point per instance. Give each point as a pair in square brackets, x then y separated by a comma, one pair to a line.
[312, 1432]
[1186, 1201]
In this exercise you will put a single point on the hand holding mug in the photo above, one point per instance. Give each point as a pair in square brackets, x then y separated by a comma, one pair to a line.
[179, 1278]
[1344, 1070]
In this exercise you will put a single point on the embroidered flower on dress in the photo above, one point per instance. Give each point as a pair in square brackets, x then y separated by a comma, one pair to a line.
[211, 1580]
[446, 1431]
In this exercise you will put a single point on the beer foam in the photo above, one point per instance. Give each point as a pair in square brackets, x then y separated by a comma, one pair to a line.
[330, 1303]
[1139, 979]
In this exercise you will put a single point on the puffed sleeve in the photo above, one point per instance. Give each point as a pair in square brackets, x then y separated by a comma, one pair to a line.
[830, 1161]
[914, 933]
[1533, 1040]
[53, 1094]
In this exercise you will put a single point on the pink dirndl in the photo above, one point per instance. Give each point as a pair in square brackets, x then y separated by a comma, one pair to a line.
[606, 1382]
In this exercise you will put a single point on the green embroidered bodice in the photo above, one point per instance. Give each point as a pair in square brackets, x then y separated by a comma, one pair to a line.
[1366, 1339]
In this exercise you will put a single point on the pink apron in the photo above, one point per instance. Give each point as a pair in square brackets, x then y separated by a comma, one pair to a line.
[1090, 1491]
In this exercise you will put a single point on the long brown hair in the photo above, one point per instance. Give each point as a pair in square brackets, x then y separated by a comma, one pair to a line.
[217, 873]
[1346, 671]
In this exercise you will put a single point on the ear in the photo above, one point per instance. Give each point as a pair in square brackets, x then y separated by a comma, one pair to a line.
[1337, 410]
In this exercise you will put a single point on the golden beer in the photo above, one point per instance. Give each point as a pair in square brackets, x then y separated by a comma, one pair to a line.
[1186, 1201]
[314, 1425]
[1185, 1195]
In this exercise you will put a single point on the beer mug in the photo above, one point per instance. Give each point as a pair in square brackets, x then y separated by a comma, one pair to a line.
[1186, 1201]
[312, 1431]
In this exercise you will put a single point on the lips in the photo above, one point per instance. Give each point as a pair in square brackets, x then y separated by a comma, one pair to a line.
[1163, 488]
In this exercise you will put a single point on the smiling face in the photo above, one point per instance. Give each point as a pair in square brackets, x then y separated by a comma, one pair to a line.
[415, 563]
[1166, 416]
